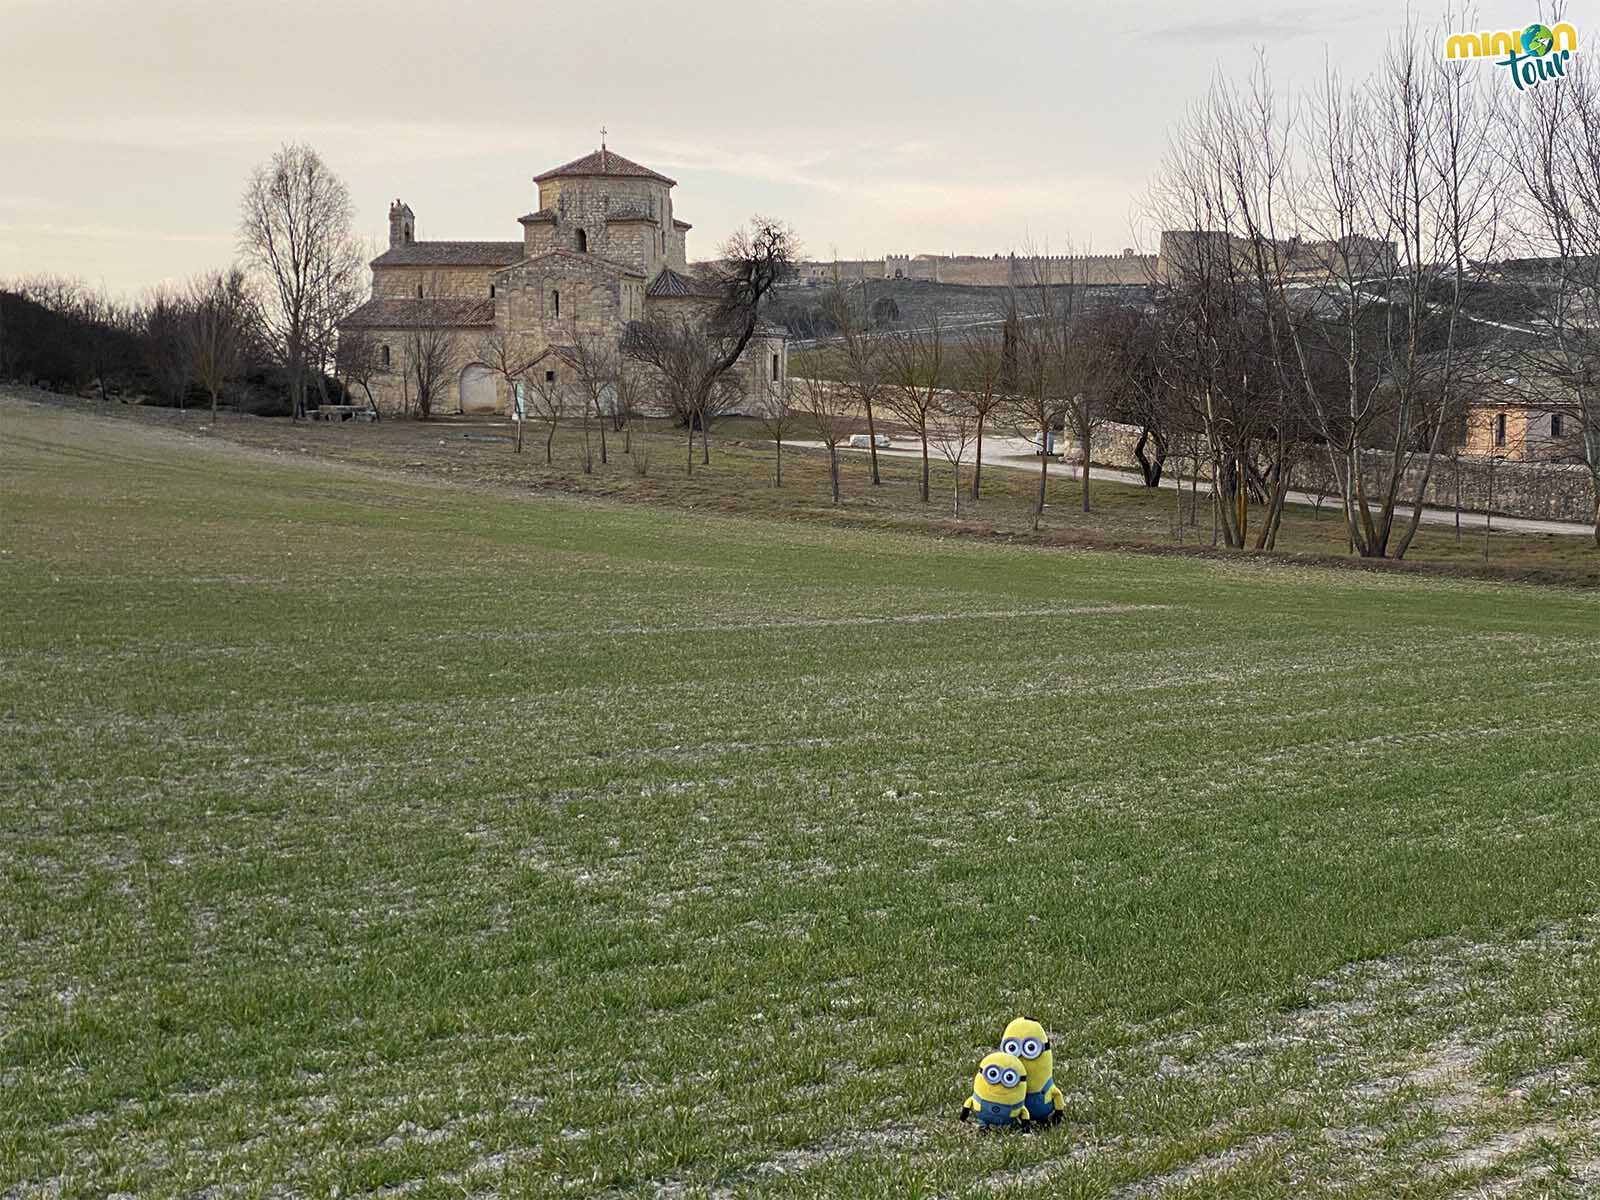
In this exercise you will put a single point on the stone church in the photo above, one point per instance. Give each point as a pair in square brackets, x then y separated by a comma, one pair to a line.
[602, 248]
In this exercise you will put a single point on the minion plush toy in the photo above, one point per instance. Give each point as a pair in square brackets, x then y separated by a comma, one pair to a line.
[997, 1092]
[1028, 1041]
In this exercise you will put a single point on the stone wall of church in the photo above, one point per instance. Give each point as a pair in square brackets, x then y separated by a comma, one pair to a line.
[394, 389]
[559, 300]
[402, 282]
[587, 203]
[539, 237]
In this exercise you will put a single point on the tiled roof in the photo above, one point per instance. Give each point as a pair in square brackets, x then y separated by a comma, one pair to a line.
[670, 283]
[677, 224]
[407, 313]
[450, 254]
[544, 214]
[604, 162]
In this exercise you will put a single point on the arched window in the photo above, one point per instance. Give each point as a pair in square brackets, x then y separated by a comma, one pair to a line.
[491, 291]
[385, 350]
[419, 291]
[555, 302]
[583, 242]
[774, 368]
[1499, 430]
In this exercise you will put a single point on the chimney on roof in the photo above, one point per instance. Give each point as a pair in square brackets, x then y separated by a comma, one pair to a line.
[402, 224]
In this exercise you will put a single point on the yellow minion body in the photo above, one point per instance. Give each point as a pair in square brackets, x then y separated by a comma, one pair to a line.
[998, 1091]
[1027, 1040]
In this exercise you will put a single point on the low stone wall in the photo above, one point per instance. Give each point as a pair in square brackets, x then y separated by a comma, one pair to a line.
[1540, 491]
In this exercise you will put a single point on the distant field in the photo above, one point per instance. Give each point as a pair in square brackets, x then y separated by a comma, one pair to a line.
[366, 834]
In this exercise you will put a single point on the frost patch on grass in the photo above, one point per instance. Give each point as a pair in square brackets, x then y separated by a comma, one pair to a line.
[806, 1158]
[1202, 1168]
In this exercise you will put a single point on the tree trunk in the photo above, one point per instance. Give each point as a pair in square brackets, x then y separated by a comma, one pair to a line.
[1083, 439]
[689, 462]
[602, 439]
[1457, 473]
[924, 464]
[1150, 470]
[778, 462]
[705, 442]
[548, 443]
[977, 466]
[833, 470]
[1044, 468]
[872, 443]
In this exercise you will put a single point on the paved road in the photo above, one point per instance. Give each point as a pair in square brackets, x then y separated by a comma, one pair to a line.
[1014, 453]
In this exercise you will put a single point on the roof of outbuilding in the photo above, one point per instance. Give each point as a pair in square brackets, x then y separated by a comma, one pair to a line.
[450, 254]
[409, 313]
[670, 283]
[604, 162]
[544, 214]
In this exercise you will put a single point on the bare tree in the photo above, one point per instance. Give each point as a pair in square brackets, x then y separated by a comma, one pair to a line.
[548, 399]
[219, 329]
[682, 360]
[360, 361]
[953, 427]
[629, 398]
[168, 319]
[596, 366]
[1325, 300]
[106, 329]
[830, 409]
[1553, 136]
[691, 358]
[1138, 395]
[295, 234]
[1222, 355]
[507, 355]
[1035, 403]
[982, 381]
[1405, 192]
[916, 367]
[779, 418]
[860, 363]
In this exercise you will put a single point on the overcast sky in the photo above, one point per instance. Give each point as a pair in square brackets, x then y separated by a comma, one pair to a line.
[127, 129]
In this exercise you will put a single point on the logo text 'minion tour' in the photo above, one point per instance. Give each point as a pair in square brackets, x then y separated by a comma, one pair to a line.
[1533, 54]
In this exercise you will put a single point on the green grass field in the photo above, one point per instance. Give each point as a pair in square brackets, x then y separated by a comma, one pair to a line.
[367, 835]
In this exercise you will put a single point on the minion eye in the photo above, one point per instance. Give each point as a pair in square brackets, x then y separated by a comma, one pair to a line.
[992, 1074]
[1030, 1048]
[1010, 1078]
[1009, 1045]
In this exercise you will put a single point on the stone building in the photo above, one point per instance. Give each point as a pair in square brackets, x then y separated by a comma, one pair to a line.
[602, 248]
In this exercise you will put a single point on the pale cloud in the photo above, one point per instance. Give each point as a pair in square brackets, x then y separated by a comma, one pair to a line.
[129, 129]
[112, 233]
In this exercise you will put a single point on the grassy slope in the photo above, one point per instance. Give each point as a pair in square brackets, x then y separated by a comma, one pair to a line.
[477, 451]
[369, 831]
